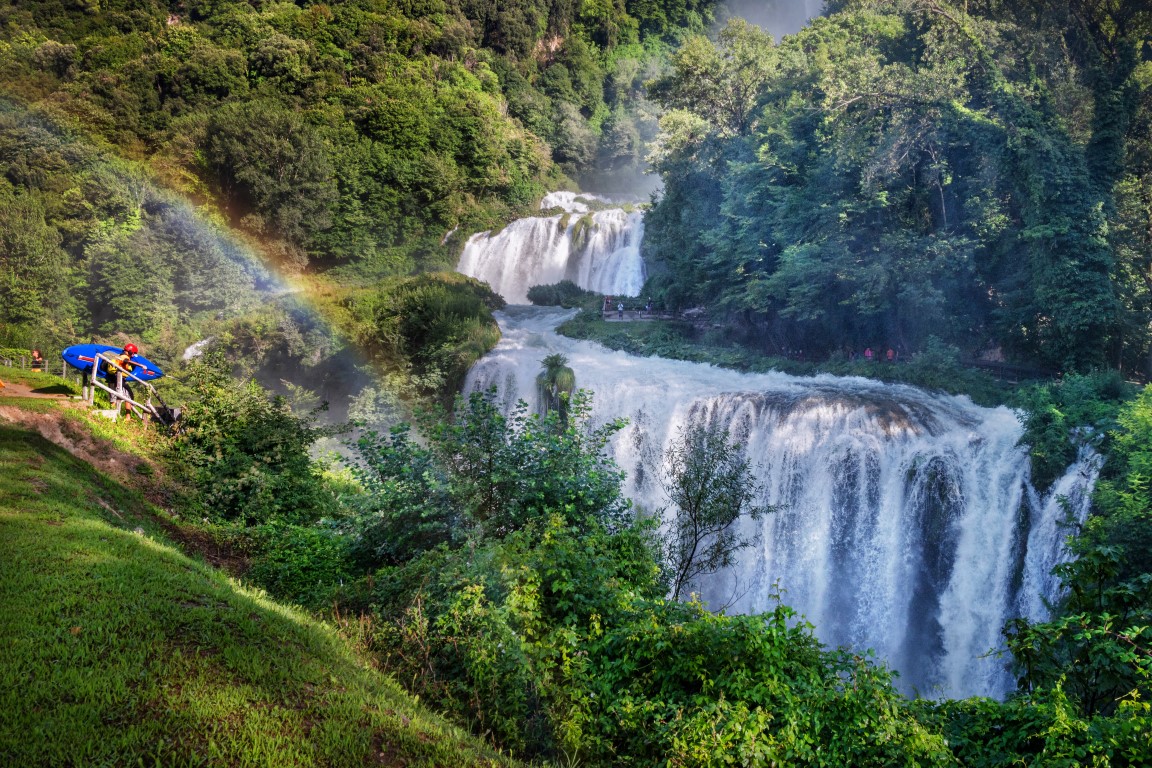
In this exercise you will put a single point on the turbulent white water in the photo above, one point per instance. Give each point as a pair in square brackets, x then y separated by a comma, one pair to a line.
[906, 522]
[598, 251]
[197, 349]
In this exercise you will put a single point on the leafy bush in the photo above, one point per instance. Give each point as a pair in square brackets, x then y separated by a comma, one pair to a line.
[1061, 416]
[1123, 501]
[483, 475]
[432, 326]
[302, 564]
[406, 508]
[562, 294]
[1098, 647]
[1042, 728]
[681, 686]
[245, 454]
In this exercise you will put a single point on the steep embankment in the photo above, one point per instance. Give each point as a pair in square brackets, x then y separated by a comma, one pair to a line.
[116, 647]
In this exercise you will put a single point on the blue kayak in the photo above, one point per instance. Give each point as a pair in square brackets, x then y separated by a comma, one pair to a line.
[82, 356]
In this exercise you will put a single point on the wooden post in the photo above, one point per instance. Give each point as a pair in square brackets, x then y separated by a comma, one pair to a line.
[90, 393]
[117, 401]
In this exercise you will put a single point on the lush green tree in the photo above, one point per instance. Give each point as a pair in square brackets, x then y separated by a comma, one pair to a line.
[507, 471]
[406, 509]
[191, 71]
[245, 454]
[712, 490]
[555, 385]
[721, 81]
[483, 475]
[896, 172]
[1097, 648]
[35, 275]
[129, 291]
[273, 166]
[432, 327]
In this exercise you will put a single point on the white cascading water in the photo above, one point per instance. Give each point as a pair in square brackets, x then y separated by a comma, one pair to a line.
[905, 521]
[598, 251]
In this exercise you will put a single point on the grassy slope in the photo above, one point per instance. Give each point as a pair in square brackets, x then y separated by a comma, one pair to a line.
[47, 383]
[116, 648]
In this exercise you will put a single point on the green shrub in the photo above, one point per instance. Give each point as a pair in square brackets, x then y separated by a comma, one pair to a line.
[483, 475]
[245, 454]
[678, 685]
[406, 508]
[432, 327]
[302, 564]
[1061, 416]
[1042, 728]
[562, 294]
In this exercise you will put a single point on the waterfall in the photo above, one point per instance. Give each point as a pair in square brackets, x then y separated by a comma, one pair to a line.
[599, 251]
[905, 521]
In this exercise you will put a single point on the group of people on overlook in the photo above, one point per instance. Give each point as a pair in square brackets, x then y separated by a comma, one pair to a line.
[869, 355]
[619, 306]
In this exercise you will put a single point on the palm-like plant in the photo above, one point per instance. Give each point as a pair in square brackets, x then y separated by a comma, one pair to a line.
[555, 385]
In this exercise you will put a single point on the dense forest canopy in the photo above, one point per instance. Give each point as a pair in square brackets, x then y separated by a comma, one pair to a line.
[979, 172]
[353, 131]
[364, 139]
[891, 173]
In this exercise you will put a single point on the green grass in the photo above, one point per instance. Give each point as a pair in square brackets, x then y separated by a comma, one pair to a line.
[116, 649]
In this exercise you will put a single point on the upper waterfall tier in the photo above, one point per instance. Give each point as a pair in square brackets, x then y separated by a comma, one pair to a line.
[598, 251]
[573, 202]
[905, 522]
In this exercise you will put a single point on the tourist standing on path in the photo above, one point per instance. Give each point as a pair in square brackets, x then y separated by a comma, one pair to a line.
[868, 355]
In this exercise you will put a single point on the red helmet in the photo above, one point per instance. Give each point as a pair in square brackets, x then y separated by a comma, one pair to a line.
[131, 348]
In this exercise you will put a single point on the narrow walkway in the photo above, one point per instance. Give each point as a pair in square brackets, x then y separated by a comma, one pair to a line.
[633, 315]
[16, 389]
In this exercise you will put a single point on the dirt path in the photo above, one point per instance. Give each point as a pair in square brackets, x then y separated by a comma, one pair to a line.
[126, 468]
[15, 389]
[76, 439]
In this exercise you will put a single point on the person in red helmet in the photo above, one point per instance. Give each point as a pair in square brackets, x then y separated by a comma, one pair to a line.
[124, 360]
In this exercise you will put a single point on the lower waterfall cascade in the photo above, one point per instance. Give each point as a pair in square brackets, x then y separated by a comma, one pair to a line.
[905, 522]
